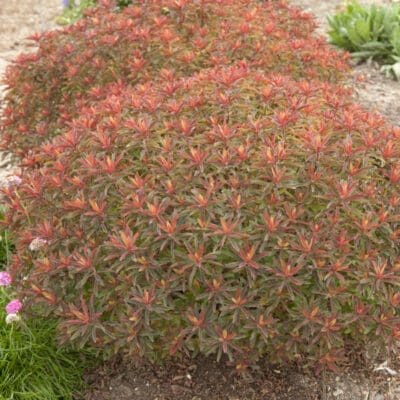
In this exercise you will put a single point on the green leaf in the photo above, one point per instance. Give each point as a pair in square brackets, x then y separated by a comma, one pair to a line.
[379, 46]
[354, 36]
[395, 40]
[363, 30]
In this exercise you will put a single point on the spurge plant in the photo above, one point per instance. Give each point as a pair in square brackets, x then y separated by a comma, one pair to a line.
[230, 212]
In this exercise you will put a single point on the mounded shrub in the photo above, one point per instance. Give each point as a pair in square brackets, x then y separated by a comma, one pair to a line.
[229, 212]
[107, 50]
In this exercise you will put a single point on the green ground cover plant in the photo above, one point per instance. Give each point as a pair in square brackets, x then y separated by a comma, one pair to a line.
[6, 247]
[32, 365]
[369, 32]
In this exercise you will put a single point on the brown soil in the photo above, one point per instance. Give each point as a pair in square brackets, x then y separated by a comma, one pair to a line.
[201, 379]
[204, 378]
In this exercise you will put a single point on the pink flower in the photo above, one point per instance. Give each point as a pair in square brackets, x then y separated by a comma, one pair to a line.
[5, 278]
[13, 307]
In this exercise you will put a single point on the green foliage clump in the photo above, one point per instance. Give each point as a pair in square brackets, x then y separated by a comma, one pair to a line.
[5, 244]
[72, 12]
[369, 32]
[32, 365]
[75, 10]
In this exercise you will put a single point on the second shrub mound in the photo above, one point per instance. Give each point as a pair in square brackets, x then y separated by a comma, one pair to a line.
[107, 50]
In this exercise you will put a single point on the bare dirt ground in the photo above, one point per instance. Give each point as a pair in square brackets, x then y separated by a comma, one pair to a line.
[19, 19]
[204, 379]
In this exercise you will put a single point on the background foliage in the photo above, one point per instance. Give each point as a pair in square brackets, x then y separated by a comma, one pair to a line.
[369, 32]
[75, 10]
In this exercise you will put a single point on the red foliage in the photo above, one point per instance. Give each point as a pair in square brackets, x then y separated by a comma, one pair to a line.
[156, 39]
[231, 211]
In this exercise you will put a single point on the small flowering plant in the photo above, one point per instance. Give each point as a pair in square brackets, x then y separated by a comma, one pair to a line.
[73, 11]
[37, 243]
[31, 359]
[13, 307]
[12, 181]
